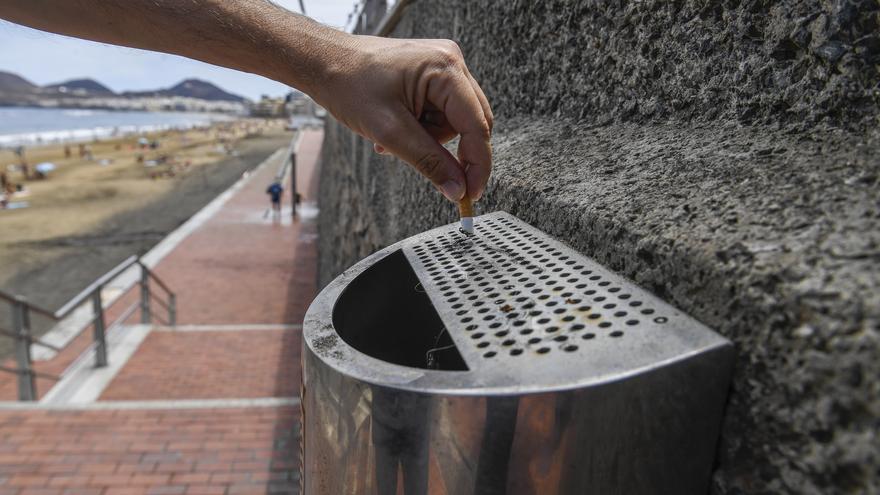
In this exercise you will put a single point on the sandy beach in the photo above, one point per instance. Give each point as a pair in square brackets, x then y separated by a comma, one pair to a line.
[92, 212]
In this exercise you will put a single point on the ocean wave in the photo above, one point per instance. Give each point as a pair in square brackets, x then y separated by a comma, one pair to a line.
[83, 113]
[97, 133]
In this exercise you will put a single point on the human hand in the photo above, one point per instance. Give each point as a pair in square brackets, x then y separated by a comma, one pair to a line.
[409, 97]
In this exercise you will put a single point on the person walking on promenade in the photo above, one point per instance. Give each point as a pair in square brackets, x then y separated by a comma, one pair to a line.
[274, 191]
[407, 96]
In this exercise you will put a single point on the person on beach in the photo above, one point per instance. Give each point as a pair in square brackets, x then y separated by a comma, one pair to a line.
[22, 162]
[274, 191]
[407, 96]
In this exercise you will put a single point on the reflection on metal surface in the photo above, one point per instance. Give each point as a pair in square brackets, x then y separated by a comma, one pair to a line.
[504, 363]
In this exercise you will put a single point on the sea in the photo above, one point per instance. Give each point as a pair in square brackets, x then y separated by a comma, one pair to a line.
[36, 126]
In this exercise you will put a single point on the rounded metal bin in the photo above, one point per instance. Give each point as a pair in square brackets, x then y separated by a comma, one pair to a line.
[504, 363]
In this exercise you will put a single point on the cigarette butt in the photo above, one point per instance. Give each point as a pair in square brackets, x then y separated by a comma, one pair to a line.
[466, 212]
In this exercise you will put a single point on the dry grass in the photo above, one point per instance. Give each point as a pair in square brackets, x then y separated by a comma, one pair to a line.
[81, 194]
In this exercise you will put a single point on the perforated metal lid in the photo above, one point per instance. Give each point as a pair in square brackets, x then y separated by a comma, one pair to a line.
[528, 313]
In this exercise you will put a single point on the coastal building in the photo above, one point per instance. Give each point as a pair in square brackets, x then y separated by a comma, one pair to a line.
[148, 103]
[269, 107]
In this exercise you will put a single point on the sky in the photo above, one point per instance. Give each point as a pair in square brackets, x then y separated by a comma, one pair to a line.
[45, 58]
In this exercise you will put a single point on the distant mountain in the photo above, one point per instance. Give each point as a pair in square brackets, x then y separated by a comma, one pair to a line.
[192, 88]
[89, 93]
[86, 86]
[15, 83]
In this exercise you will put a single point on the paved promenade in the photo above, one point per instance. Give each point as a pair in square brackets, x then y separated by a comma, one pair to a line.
[207, 407]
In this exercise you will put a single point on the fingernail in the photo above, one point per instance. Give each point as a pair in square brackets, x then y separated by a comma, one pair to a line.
[452, 189]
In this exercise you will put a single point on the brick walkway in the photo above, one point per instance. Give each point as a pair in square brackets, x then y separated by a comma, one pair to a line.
[241, 267]
[210, 365]
[244, 282]
[220, 451]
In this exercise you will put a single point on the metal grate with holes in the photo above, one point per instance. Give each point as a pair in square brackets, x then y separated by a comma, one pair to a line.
[511, 296]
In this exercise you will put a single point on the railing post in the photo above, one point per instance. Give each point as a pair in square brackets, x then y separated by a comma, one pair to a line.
[172, 309]
[100, 327]
[294, 197]
[146, 317]
[21, 325]
[374, 11]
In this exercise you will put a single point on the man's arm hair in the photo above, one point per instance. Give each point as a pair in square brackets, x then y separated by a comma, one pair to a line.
[255, 36]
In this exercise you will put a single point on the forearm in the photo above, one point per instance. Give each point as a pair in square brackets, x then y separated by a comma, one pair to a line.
[406, 96]
[250, 35]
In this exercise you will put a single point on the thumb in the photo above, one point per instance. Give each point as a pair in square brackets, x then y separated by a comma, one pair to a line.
[410, 142]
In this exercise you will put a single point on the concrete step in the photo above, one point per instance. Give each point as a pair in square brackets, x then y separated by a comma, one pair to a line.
[82, 382]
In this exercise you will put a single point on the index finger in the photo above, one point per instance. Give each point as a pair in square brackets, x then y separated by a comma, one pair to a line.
[464, 113]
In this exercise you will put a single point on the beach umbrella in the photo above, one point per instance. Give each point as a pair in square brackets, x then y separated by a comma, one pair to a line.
[45, 167]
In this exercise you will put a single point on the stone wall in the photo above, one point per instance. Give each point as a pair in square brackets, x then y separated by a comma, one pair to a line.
[723, 155]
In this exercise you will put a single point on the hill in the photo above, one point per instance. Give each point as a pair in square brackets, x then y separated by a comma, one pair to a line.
[89, 86]
[192, 88]
[15, 83]
[89, 93]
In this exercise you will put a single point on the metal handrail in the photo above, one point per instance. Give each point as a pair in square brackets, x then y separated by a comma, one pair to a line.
[78, 299]
[35, 373]
[156, 278]
[290, 163]
[125, 315]
[164, 304]
[33, 307]
[392, 18]
[91, 288]
[21, 310]
[288, 157]
[34, 340]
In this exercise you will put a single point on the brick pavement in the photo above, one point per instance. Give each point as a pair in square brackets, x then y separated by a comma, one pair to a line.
[239, 267]
[210, 451]
[211, 365]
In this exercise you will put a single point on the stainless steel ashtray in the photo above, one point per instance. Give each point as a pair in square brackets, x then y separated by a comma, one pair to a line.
[504, 362]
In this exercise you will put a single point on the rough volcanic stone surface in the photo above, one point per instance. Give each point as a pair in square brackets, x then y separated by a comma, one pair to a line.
[739, 181]
[797, 61]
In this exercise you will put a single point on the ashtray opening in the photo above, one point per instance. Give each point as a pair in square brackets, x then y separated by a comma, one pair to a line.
[385, 313]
